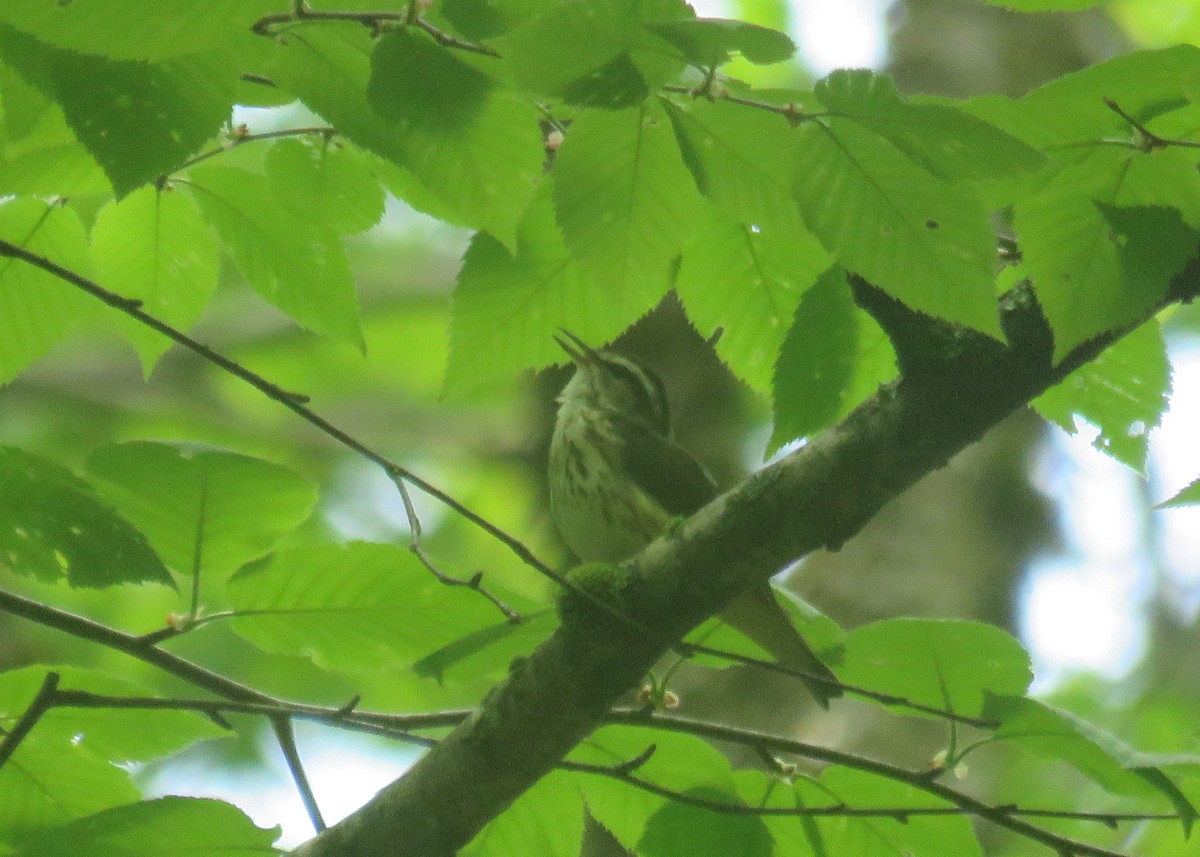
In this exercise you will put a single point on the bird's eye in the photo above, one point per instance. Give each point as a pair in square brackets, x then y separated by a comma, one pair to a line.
[645, 390]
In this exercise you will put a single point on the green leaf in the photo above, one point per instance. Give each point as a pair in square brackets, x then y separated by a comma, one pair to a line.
[483, 19]
[297, 265]
[747, 282]
[912, 835]
[1072, 109]
[352, 608]
[489, 651]
[545, 820]
[616, 84]
[593, 52]
[153, 246]
[416, 82]
[1167, 179]
[816, 361]
[22, 105]
[237, 506]
[1057, 734]
[53, 527]
[330, 185]
[599, 841]
[1095, 266]
[624, 200]
[948, 664]
[1189, 496]
[138, 120]
[135, 29]
[37, 309]
[741, 160]
[680, 830]
[508, 306]
[875, 363]
[708, 42]
[50, 780]
[112, 735]
[947, 142]
[485, 170]
[156, 828]
[1123, 392]
[41, 154]
[925, 242]
[679, 762]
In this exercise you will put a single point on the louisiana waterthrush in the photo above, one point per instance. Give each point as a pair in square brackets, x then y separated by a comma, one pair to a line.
[617, 478]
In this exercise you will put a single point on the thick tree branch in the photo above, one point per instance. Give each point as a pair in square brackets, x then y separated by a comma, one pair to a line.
[817, 497]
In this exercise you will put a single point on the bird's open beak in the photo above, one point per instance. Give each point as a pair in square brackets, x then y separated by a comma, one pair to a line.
[578, 350]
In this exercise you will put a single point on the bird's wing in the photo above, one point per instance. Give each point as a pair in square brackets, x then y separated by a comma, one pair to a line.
[664, 470]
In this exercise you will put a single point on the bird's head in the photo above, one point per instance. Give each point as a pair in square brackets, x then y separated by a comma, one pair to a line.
[615, 385]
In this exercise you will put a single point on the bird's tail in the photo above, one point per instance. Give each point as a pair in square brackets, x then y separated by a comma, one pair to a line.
[760, 617]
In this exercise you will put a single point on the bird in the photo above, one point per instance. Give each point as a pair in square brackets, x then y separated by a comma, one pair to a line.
[617, 478]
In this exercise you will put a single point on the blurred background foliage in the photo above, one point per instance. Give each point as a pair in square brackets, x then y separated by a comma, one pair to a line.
[966, 542]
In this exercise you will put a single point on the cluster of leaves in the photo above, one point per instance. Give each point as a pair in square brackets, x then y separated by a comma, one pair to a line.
[602, 162]
[750, 204]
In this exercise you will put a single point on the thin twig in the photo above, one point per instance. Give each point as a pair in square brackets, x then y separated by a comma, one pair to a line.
[374, 21]
[448, 41]
[285, 735]
[1148, 141]
[240, 136]
[474, 582]
[41, 703]
[790, 111]
[887, 699]
[345, 716]
[198, 549]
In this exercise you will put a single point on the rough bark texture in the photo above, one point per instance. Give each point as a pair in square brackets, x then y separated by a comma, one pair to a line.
[955, 384]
